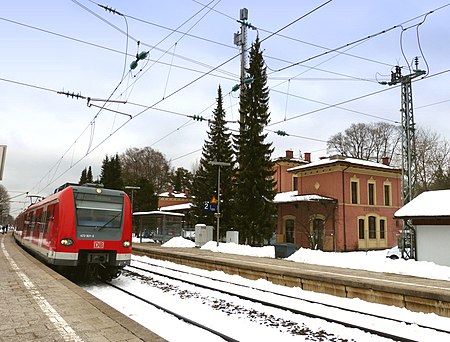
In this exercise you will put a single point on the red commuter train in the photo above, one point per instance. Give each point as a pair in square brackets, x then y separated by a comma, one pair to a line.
[87, 229]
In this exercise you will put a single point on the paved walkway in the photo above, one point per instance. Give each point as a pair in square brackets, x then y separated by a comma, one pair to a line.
[38, 304]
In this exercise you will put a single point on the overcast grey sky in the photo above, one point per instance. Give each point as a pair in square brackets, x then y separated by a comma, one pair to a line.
[77, 47]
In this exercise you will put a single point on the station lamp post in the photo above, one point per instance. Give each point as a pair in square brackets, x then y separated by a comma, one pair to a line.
[132, 188]
[217, 214]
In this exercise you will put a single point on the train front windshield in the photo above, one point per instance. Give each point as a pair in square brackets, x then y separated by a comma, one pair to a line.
[98, 211]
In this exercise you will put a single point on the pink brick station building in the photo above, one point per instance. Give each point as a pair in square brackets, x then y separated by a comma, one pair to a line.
[337, 203]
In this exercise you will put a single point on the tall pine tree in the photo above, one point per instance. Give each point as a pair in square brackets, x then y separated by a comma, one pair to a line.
[254, 208]
[111, 173]
[89, 177]
[217, 147]
[83, 177]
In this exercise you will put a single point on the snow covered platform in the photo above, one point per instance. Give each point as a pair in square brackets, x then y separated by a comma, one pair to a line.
[414, 293]
[38, 304]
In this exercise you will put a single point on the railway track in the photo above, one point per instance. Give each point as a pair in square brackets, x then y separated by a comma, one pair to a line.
[260, 317]
[177, 315]
[304, 307]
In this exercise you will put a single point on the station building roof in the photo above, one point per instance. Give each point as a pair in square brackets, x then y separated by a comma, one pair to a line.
[341, 159]
[293, 196]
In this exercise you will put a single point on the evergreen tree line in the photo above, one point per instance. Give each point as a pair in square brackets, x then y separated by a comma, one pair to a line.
[246, 171]
[247, 184]
[246, 175]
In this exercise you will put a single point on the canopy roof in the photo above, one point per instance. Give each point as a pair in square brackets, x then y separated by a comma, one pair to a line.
[427, 204]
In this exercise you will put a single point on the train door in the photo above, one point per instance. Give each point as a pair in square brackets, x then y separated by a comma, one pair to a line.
[52, 231]
[41, 227]
[50, 225]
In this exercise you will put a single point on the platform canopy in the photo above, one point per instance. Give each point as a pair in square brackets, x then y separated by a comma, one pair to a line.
[156, 213]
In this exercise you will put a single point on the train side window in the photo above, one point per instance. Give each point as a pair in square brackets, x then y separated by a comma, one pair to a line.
[30, 222]
[43, 227]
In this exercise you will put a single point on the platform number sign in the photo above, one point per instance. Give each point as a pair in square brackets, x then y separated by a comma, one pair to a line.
[211, 206]
[99, 244]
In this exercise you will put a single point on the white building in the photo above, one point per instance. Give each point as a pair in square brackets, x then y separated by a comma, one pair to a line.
[430, 214]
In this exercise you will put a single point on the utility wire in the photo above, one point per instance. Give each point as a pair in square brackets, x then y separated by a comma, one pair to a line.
[168, 96]
[183, 87]
[92, 123]
[357, 98]
[335, 105]
[118, 51]
[358, 40]
[300, 41]
[338, 107]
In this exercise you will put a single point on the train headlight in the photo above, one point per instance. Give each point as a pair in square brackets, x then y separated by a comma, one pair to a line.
[66, 242]
[126, 243]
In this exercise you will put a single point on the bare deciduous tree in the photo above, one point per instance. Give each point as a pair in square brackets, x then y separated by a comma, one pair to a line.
[4, 205]
[146, 163]
[371, 141]
[432, 156]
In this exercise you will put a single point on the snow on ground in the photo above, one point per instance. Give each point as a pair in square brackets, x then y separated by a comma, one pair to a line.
[374, 261]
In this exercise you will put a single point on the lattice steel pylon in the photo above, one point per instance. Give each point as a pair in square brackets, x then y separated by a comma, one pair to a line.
[409, 174]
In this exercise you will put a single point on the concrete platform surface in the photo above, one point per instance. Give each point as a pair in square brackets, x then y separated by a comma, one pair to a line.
[38, 304]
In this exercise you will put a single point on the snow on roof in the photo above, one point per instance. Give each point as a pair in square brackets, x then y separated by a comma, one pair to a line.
[172, 194]
[293, 196]
[183, 206]
[427, 204]
[336, 159]
[155, 212]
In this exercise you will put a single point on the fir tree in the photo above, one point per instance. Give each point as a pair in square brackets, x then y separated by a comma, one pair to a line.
[254, 210]
[83, 177]
[145, 198]
[181, 179]
[111, 173]
[89, 177]
[441, 180]
[217, 147]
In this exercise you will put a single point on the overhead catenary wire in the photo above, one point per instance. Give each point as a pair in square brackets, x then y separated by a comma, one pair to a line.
[91, 149]
[92, 123]
[360, 39]
[92, 129]
[299, 40]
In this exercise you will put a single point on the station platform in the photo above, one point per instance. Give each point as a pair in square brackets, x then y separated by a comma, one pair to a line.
[38, 304]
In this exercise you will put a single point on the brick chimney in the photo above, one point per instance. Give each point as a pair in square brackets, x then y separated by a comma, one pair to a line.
[289, 154]
[385, 161]
[187, 192]
[307, 157]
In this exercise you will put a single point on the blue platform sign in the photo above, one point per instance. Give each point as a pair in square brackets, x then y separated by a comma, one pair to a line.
[211, 206]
